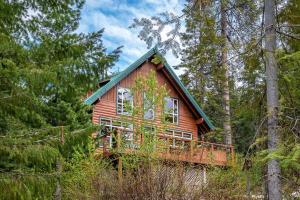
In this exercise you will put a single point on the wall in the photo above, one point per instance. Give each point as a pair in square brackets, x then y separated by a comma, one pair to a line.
[106, 106]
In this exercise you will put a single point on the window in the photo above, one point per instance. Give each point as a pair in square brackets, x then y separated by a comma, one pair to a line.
[128, 138]
[179, 139]
[148, 108]
[179, 134]
[109, 124]
[124, 101]
[171, 110]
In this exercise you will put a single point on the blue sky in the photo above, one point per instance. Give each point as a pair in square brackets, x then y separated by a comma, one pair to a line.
[116, 16]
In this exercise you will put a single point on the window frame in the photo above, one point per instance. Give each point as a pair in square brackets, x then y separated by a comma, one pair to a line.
[128, 128]
[173, 114]
[181, 139]
[153, 107]
[129, 113]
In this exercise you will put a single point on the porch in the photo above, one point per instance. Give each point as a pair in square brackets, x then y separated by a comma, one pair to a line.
[168, 147]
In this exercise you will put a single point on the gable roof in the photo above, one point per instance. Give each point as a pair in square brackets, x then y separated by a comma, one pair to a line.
[116, 79]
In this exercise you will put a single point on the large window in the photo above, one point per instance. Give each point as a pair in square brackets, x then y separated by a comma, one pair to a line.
[148, 107]
[107, 126]
[171, 110]
[124, 101]
[179, 139]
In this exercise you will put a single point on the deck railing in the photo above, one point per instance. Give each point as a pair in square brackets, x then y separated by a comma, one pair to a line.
[200, 152]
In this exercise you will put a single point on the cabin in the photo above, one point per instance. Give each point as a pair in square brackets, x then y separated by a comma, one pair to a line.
[182, 140]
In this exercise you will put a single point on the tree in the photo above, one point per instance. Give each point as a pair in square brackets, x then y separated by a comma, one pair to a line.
[274, 190]
[225, 81]
[149, 34]
[45, 71]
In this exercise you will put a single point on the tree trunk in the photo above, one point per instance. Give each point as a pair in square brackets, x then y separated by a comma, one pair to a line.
[273, 172]
[225, 82]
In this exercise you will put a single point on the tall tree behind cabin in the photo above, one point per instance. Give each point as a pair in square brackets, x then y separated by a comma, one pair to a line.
[273, 173]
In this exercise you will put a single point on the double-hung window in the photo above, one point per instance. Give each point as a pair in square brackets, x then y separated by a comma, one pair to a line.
[124, 101]
[171, 110]
[148, 107]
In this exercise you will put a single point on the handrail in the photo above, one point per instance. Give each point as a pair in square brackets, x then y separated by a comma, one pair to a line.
[215, 144]
[191, 153]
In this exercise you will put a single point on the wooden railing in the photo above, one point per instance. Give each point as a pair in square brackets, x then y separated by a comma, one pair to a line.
[200, 152]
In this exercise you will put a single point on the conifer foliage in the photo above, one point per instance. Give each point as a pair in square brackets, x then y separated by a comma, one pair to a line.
[46, 68]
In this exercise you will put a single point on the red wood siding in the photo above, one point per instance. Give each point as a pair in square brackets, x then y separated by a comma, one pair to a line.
[106, 106]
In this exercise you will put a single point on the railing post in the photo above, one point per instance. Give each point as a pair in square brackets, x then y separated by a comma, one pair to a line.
[232, 155]
[142, 138]
[120, 169]
[192, 148]
[118, 139]
[212, 153]
[120, 163]
[168, 146]
[104, 143]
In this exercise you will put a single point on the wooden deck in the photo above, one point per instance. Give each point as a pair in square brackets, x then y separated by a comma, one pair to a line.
[197, 152]
[202, 153]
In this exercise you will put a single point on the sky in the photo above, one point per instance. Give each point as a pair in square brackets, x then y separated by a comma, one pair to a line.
[115, 16]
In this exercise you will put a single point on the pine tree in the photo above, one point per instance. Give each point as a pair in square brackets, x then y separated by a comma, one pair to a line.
[45, 71]
[200, 60]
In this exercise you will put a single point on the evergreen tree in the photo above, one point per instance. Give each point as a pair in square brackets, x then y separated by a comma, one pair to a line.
[45, 71]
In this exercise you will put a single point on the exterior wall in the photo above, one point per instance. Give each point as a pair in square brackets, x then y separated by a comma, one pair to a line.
[106, 106]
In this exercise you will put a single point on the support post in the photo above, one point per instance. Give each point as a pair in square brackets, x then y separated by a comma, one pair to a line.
[142, 138]
[104, 139]
[232, 156]
[118, 140]
[120, 169]
[192, 148]
[168, 146]
[204, 176]
[212, 153]
[120, 164]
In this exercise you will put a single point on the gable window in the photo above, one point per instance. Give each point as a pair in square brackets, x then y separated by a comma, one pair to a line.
[124, 101]
[171, 110]
[148, 108]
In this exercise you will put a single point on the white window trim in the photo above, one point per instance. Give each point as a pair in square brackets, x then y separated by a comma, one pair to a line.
[144, 97]
[110, 126]
[173, 110]
[182, 133]
[122, 103]
[174, 137]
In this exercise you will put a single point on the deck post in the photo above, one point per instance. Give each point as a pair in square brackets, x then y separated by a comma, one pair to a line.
[120, 163]
[192, 148]
[142, 139]
[120, 169]
[204, 176]
[104, 144]
[232, 155]
[212, 153]
[168, 146]
[118, 140]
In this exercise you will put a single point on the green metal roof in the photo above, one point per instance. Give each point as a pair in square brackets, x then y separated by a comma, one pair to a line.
[116, 79]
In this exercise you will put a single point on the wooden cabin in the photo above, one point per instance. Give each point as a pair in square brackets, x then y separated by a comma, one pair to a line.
[183, 139]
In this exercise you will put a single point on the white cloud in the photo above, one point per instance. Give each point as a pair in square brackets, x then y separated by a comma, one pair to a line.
[116, 16]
